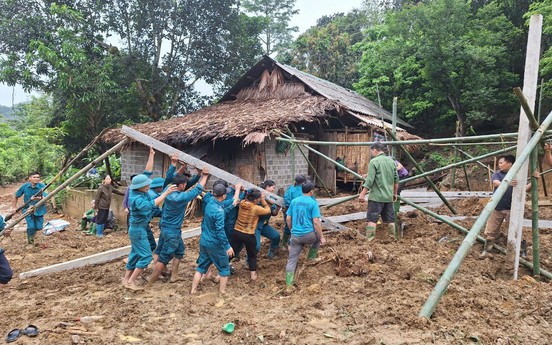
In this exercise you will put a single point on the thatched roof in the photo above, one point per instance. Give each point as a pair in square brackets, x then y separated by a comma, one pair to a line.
[253, 119]
[269, 96]
[345, 98]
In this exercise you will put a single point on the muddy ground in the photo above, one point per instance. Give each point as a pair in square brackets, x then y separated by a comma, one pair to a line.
[344, 298]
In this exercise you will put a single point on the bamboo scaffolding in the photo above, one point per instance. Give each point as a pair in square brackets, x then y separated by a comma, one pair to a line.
[62, 186]
[408, 142]
[473, 144]
[480, 239]
[448, 275]
[475, 159]
[428, 180]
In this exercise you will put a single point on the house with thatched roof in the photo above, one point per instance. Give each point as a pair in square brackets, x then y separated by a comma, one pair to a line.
[237, 133]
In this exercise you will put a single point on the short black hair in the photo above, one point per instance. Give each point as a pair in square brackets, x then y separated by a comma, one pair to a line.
[268, 183]
[508, 158]
[133, 176]
[307, 187]
[179, 179]
[378, 146]
[300, 179]
[254, 195]
[222, 182]
[219, 190]
[34, 173]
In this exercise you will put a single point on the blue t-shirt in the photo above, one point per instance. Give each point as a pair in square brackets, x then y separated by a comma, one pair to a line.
[157, 211]
[302, 211]
[212, 226]
[505, 202]
[141, 208]
[291, 193]
[28, 191]
[175, 205]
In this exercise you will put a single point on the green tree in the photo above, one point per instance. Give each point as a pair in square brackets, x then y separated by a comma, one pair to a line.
[326, 50]
[441, 59]
[276, 36]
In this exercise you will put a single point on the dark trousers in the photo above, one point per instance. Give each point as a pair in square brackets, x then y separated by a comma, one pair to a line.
[240, 239]
[6, 272]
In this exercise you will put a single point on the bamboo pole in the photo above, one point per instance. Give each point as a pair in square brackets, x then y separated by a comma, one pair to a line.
[477, 161]
[408, 142]
[467, 178]
[448, 275]
[533, 124]
[62, 186]
[480, 239]
[535, 212]
[341, 201]
[59, 174]
[454, 168]
[476, 143]
[428, 180]
[394, 126]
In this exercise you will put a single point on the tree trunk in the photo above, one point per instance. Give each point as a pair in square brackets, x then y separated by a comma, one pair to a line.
[460, 115]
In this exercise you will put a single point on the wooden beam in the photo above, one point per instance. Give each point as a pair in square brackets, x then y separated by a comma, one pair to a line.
[95, 259]
[530, 82]
[213, 170]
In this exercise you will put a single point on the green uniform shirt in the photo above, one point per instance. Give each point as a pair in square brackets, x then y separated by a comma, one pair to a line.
[382, 175]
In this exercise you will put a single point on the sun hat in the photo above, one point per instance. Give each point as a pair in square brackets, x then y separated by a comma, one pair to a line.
[157, 182]
[140, 181]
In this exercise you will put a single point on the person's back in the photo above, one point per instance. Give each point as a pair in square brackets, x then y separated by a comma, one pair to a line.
[212, 226]
[302, 211]
[381, 178]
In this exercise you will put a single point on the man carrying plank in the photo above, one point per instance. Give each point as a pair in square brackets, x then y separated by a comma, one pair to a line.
[29, 191]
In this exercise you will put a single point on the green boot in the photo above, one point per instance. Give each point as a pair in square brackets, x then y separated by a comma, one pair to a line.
[313, 254]
[83, 224]
[391, 230]
[30, 239]
[92, 230]
[285, 240]
[370, 232]
[289, 278]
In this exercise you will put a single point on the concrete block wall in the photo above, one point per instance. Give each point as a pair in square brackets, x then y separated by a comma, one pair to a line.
[134, 159]
[77, 201]
[279, 165]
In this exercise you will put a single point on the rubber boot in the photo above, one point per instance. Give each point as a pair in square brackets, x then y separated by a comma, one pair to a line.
[391, 229]
[92, 230]
[272, 252]
[99, 230]
[487, 249]
[30, 239]
[313, 254]
[370, 232]
[83, 224]
[289, 278]
[285, 240]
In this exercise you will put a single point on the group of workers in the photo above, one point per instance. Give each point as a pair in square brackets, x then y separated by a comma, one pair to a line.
[235, 218]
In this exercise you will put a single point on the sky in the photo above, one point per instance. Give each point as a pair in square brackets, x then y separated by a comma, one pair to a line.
[309, 12]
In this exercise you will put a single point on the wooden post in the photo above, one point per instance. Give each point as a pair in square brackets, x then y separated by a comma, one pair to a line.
[535, 212]
[213, 170]
[529, 90]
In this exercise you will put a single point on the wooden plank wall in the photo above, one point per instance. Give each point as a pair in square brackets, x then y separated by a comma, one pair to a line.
[351, 154]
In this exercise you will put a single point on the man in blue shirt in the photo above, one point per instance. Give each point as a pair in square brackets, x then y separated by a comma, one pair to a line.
[303, 218]
[171, 244]
[292, 192]
[32, 193]
[214, 247]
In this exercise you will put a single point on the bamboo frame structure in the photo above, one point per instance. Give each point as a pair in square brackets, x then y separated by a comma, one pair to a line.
[448, 275]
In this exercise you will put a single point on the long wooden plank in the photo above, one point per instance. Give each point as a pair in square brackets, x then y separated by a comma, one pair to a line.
[94, 259]
[213, 170]
[530, 81]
